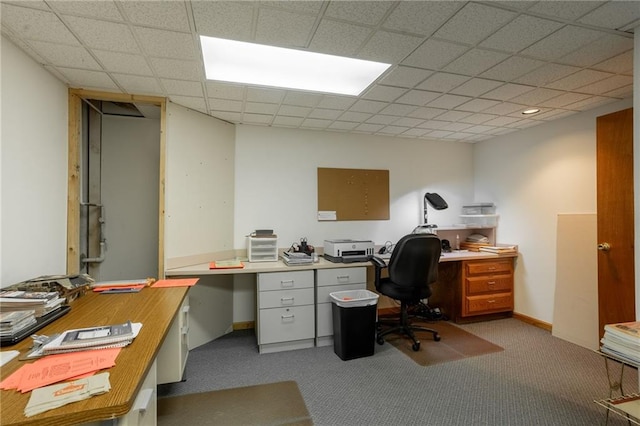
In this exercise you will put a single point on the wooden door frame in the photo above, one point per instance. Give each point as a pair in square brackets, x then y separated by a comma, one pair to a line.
[76, 97]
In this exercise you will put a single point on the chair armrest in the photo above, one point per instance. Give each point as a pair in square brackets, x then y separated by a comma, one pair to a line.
[379, 265]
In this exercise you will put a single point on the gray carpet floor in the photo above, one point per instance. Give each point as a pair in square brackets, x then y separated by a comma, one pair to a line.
[537, 380]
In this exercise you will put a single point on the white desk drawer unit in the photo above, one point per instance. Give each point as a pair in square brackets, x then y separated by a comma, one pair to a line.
[285, 311]
[329, 281]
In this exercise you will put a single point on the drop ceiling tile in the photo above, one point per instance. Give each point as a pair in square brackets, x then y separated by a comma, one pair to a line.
[343, 125]
[284, 29]
[579, 79]
[338, 38]
[383, 93]
[504, 108]
[106, 10]
[564, 100]
[417, 97]
[480, 129]
[448, 101]
[457, 127]
[224, 90]
[474, 23]
[308, 7]
[591, 102]
[103, 35]
[415, 133]
[232, 117]
[381, 119]
[507, 91]
[569, 10]
[167, 44]
[256, 118]
[88, 79]
[388, 47]
[478, 118]
[302, 99]
[34, 24]
[438, 134]
[522, 32]
[369, 128]
[336, 102]
[476, 87]
[163, 15]
[65, 55]
[613, 15]
[561, 43]
[282, 120]
[57, 74]
[225, 19]
[442, 82]
[405, 76]
[393, 130]
[477, 105]
[546, 74]
[195, 103]
[453, 115]
[512, 68]
[604, 48]
[502, 121]
[426, 113]
[124, 63]
[260, 108]
[621, 93]
[259, 94]
[536, 96]
[354, 116]
[421, 17]
[475, 62]
[362, 12]
[294, 111]
[621, 64]
[607, 85]
[315, 123]
[177, 68]
[326, 114]
[467, 137]
[136, 84]
[398, 110]
[225, 105]
[408, 121]
[434, 54]
[372, 107]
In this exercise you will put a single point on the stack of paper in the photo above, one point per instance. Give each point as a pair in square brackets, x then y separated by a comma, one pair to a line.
[41, 302]
[54, 396]
[292, 258]
[622, 340]
[109, 336]
[499, 249]
[13, 322]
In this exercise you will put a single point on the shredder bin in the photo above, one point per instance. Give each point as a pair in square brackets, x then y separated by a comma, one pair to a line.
[354, 315]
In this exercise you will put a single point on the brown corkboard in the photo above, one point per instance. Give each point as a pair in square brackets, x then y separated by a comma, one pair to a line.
[354, 194]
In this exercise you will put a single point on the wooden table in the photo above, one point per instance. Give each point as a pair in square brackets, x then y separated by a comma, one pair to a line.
[154, 308]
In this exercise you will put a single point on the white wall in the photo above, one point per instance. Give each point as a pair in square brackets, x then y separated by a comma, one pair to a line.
[199, 187]
[532, 176]
[276, 182]
[33, 171]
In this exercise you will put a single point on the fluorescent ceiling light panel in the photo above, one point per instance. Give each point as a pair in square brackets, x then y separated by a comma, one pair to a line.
[249, 63]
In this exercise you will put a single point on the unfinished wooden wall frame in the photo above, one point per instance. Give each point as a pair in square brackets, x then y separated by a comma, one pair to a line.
[76, 97]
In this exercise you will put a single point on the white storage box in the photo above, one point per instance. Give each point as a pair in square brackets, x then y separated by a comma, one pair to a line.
[354, 298]
[262, 249]
[479, 208]
[479, 220]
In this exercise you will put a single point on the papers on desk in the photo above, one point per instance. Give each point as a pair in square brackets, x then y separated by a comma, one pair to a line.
[175, 282]
[226, 264]
[54, 396]
[296, 258]
[102, 337]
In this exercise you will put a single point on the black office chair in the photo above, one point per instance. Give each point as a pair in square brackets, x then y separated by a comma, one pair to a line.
[413, 267]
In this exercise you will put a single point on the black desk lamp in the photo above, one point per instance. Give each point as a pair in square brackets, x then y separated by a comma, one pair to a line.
[437, 203]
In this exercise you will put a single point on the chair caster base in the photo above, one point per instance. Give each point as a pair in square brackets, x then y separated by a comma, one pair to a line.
[416, 346]
[436, 337]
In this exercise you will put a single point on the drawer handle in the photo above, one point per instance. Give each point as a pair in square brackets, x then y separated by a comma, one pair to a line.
[287, 283]
[491, 301]
[286, 300]
[491, 268]
[491, 282]
[343, 278]
[287, 318]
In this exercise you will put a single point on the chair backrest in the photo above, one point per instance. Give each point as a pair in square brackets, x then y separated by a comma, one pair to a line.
[414, 260]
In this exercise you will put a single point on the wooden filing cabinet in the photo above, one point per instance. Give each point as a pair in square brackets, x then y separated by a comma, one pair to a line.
[286, 311]
[329, 281]
[487, 286]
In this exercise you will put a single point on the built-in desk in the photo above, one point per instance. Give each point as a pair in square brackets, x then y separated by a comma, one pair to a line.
[154, 308]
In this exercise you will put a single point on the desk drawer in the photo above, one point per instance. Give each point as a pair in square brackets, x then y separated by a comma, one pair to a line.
[335, 276]
[489, 267]
[286, 324]
[283, 298]
[489, 284]
[499, 302]
[285, 280]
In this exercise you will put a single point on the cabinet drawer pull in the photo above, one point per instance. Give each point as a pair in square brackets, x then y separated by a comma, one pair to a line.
[286, 283]
[491, 301]
[343, 278]
[491, 282]
[491, 268]
[286, 300]
[288, 318]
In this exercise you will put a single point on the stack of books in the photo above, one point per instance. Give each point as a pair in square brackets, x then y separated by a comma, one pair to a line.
[40, 302]
[622, 340]
[13, 322]
[296, 258]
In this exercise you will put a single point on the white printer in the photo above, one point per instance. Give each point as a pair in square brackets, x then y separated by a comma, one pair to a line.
[346, 251]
